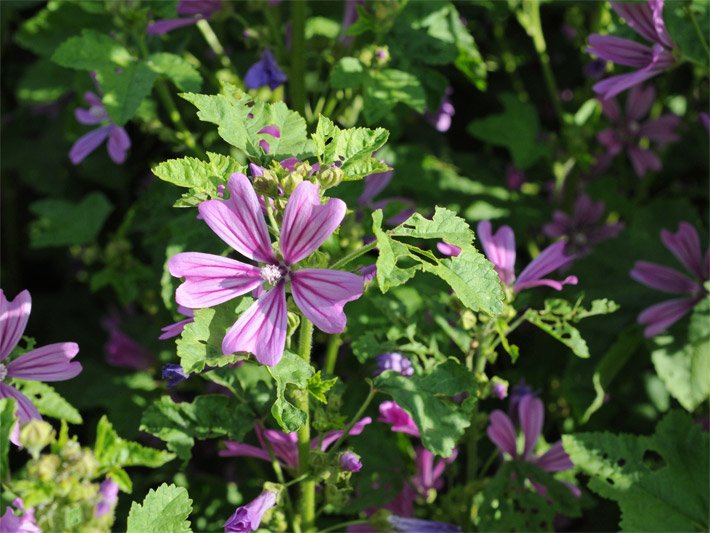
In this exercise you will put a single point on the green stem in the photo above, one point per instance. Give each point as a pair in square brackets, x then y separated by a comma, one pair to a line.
[297, 79]
[307, 488]
[358, 416]
[343, 526]
[352, 256]
[698, 31]
[213, 42]
[472, 448]
[183, 133]
[331, 353]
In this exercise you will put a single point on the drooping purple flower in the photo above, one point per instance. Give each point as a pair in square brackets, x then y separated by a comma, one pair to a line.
[685, 246]
[350, 462]
[646, 19]
[109, 496]
[400, 420]
[25, 523]
[416, 525]
[430, 472]
[350, 15]
[173, 374]
[265, 73]
[627, 131]
[531, 416]
[118, 140]
[520, 390]
[248, 517]
[514, 178]
[500, 389]
[285, 445]
[441, 118]
[500, 249]
[121, 350]
[47, 363]
[192, 11]
[394, 361]
[173, 330]
[320, 294]
[374, 185]
[368, 272]
[582, 229]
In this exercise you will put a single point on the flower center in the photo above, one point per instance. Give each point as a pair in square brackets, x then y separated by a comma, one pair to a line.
[271, 273]
[3, 372]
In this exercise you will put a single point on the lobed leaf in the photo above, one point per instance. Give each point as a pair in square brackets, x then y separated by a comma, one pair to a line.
[165, 510]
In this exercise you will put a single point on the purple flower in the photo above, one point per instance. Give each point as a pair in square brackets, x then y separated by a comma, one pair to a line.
[531, 414]
[11, 523]
[500, 249]
[594, 69]
[265, 73]
[350, 15]
[704, 119]
[109, 497]
[646, 19]
[350, 462]
[430, 472]
[368, 272]
[628, 131]
[118, 140]
[173, 330]
[173, 374]
[374, 185]
[442, 118]
[519, 392]
[192, 11]
[248, 517]
[514, 178]
[448, 249]
[685, 246]
[285, 445]
[582, 230]
[394, 361]
[48, 363]
[500, 389]
[400, 420]
[121, 350]
[415, 525]
[320, 294]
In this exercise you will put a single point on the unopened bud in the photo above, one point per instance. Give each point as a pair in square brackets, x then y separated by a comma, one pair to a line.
[330, 177]
[292, 323]
[303, 168]
[290, 182]
[350, 462]
[266, 184]
[382, 55]
[35, 435]
[47, 466]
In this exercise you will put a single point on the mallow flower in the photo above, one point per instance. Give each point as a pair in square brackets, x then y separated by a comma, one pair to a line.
[248, 517]
[374, 184]
[108, 493]
[394, 361]
[190, 11]
[646, 19]
[265, 73]
[25, 523]
[628, 131]
[173, 330]
[319, 293]
[441, 118]
[118, 140]
[400, 420]
[48, 363]
[350, 462]
[416, 525]
[499, 247]
[685, 246]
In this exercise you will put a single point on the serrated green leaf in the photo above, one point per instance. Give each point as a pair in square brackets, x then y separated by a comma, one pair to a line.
[240, 119]
[319, 387]
[48, 401]
[290, 373]
[347, 73]
[668, 493]
[200, 343]
[428, 399]
[177, 69]
[63, 223]
[93, 51]
[352, 148]
[165, 510]
[389, 274]
[7, 419]
[445, 225]
[516, 128]
[124, 89]
[113, 452]
[207, 417]
[384, 89]
[44, 82]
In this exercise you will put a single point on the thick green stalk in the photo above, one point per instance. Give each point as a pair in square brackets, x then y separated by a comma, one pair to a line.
[331, 353]
[297, 74]
[307, 487]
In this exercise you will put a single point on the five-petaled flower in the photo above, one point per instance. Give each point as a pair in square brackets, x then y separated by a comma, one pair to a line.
[48, 363]
[320, 294]
[685, 246]
[118, 140]
[646, 19]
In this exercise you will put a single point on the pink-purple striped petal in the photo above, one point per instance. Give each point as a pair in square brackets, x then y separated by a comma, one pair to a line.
[662, 278]
[660, 317]
[261, 330]
[555, 459]
[374, 185]
[332, 436]
[549, 260]
[239, 449]
[662, 129]
[499, 248]
[643, 160]
[13, 320]
[321, 294]
[284, 445]
[639, 101]
[619, 50]
[239, 221]
[502, 433]
[448, 249]
[639, 17]
[684, 244]
[307, 223]
[48, 363]
[211, 279]
[87, 143]
[160, 27]
[531, 413]
[118, 144]
[26, 410]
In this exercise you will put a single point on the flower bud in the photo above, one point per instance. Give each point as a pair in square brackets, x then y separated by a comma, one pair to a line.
[47, 466]
[350, 462]
[290, 182]
[330, 177]
[303, 168]
[499, 388]
[35, 435]
[266, 184]
[382, 55]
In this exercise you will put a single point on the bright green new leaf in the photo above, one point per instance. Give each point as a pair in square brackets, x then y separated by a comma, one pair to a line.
[63, 223]
[445, 225]
[165, 510]
[348, 73]
[428, 399]
[48, 401]
[290, 373]
[661, 482]
[177, 69]
[92, 51]
[319, 387]
[206, 417]
[124, 89]
[389, 274]
[7, 418]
